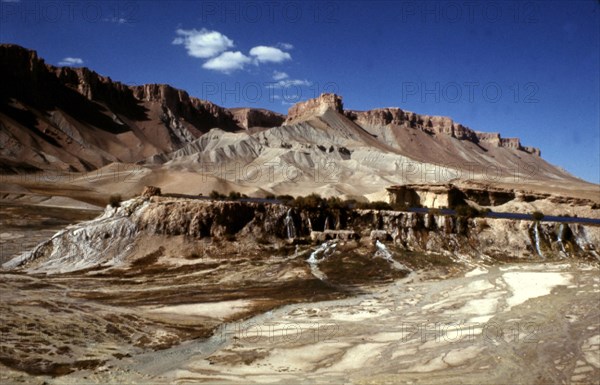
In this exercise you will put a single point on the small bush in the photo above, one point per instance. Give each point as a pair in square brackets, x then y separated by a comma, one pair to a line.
[312, 201]
[466, 211]
[270, 196]
[216, 195]
[234, 195]
[537, 215]
[285, 198]
[334, 203]
[377, 205]
[115, 200]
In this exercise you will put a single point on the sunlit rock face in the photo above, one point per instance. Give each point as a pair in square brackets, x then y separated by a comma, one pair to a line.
[111, 239]
[313, 107]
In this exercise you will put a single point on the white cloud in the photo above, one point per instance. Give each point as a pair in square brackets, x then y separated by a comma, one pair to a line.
[279, 75]
[289, 83]
[204, 43]
[216, 50]
[227, 62]
[264, 54]
[71, 61]
[11, 1]
[286, 46]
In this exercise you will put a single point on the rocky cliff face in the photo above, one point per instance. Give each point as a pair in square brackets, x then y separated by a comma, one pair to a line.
[75, 119]
[111, 238]
[250, 117]
[314, 107]
[433, 125]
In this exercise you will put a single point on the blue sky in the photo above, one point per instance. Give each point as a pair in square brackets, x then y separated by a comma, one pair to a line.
[522, 68]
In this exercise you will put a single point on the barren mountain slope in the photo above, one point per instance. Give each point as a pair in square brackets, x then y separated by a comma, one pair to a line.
[74, 120]
[63, 118]
[325, 149]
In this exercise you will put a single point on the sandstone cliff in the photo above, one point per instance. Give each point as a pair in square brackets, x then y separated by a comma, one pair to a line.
[253, 117]
[433, 125]
[75, 119]
[313, 107]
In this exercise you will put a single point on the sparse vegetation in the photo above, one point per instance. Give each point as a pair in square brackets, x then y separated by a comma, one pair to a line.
[115, 200]
[312, 201]
[216, 195]
[377, 205]
[537, 215]
[285, 198]
[466, 211]
[234, 195]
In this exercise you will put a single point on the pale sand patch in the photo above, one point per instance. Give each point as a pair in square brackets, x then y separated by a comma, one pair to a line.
[66, 202]
[356, 357]
[306, 358]
[476, 271]
[434, 364]
[475, 286]
[219, 310]
[527, 285]
[483, 308]
[388, 336]
[360, 315]
[592, 354]
[459, 356]
[403, 351]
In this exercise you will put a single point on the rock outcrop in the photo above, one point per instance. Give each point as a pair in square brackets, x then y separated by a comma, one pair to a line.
[75, 119]
[314, 107]
[433, 125]
[108, 239]
[252, 117]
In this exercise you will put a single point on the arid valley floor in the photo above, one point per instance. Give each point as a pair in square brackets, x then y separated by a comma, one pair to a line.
[225, 311]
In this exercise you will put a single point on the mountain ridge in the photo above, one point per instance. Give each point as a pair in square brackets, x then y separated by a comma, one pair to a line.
[185, 118]
[74, 120]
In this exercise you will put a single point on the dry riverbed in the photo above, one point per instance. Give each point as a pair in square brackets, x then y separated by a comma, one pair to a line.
[227, 311]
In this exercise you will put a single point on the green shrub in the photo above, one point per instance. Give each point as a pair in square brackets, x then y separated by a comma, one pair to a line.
[334, 203]
[216, 195]
[466, 211]
[115, 200]
[537, 215]
[377, 205]
[234, 195]
[285, 198]
[311, 201]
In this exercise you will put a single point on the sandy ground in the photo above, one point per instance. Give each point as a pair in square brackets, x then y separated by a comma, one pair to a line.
[517, 324]
[235, 315]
